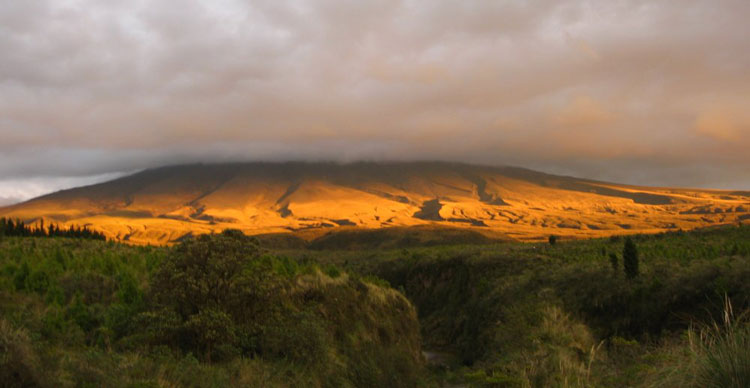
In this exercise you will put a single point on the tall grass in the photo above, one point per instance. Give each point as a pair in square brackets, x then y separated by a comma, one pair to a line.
[723, 352]
[717, 355]
[563, 353]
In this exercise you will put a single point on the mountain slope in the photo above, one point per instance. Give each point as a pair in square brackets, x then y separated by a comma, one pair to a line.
[164, 204]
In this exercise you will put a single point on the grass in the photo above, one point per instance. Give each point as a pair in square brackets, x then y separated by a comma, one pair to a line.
[712, 355]
[722, 357]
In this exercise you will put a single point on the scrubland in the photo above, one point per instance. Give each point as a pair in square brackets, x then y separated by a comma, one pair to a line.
[222, 310]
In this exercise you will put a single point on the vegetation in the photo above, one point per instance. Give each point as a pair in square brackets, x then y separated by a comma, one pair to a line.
[18, 228]
[630, 259]
[614, 261]
[539, 315]
[397, 237]
[220, 310]
[721, 356]
[213, 311]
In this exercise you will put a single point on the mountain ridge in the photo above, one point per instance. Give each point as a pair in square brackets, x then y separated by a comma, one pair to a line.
[162, 205]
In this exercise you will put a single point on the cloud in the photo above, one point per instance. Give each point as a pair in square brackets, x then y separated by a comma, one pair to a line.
[583, 111]
[724, 124]
[18, 190]
[5, 201]
[91, 87]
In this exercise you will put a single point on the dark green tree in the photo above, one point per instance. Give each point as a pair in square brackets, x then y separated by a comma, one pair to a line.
[205, 291]
[552, 239]
[18, 228]
[204, 271]
[630, 259]
[212, 328]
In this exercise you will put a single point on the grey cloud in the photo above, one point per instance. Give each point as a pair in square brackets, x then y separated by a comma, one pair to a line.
[17, 190]
[5, 201]
[634, 91]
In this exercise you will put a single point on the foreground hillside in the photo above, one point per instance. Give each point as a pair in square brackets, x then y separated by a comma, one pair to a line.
[571, 315]
[164, 205]
[90, 313]
[210, 312]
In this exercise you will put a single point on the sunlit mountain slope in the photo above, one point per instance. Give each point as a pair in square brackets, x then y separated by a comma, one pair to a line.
[162, 205]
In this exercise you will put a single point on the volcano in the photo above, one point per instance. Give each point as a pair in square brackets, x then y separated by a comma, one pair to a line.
[164, 205]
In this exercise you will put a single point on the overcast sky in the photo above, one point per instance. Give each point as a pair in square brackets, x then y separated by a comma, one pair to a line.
[646, 92]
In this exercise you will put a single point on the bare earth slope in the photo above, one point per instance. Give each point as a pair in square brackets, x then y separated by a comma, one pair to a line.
[162, 205]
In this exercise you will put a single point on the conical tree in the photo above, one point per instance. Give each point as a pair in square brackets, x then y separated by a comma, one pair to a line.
[630, 259]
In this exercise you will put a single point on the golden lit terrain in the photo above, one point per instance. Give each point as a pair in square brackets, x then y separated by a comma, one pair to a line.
[160, 206]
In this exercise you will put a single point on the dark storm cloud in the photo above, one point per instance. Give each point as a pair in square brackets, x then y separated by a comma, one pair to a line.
[652, 92]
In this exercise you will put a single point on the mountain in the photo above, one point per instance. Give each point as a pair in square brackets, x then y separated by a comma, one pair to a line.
[163, 205]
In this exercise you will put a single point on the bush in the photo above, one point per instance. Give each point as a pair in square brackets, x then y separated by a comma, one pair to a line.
[614, 262]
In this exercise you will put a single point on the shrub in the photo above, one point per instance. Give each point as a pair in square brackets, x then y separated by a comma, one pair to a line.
[614, 261]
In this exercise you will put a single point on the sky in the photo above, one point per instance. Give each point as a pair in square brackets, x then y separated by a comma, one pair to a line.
[642, 92]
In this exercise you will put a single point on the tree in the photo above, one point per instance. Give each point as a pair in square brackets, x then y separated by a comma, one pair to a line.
[552, 239]
[212, 328]
[630, 259]
[204, 290]
[203, 272]
[19, 229]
